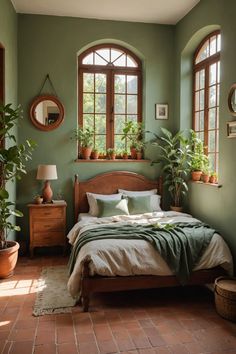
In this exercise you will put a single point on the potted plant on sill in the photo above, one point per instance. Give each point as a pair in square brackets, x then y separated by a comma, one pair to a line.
[85, 137]
[125, 155]
[198, 160]
[95, 154]
[213, 177]
[133, 132]
[175, 156]
[12, 166]
[111, 154]
[139, 147]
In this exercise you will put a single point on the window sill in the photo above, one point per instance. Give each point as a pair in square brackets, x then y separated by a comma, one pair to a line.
[216, 185]
[106, 160]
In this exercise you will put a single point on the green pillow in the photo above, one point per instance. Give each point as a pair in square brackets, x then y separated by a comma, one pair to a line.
[112, 207]
[140, 204]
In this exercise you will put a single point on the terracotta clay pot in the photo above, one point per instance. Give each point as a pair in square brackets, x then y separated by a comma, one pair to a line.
[95, 155]
[205, 178]
[139, 155]
[125, 156]
[8, 259]
[113, 156]
[86, 152]
[196, 175]
[212, 179]
[133, 153]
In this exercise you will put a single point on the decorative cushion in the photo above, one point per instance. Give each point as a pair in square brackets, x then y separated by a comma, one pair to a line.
[140, 204]
[112, 207]
[155, 198]
[92, 200]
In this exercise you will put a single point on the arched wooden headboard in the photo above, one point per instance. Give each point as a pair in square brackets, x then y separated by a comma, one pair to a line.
[109, 183]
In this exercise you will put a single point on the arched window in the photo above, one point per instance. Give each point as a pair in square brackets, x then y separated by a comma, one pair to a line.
[110, 93]
[206, 95]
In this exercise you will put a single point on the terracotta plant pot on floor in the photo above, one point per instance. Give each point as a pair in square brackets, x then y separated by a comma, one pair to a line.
[8, 259]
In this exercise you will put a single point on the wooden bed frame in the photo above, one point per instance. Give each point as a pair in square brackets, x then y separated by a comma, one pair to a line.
[108, 183]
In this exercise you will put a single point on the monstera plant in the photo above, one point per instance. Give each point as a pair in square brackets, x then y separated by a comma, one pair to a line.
[12, 165]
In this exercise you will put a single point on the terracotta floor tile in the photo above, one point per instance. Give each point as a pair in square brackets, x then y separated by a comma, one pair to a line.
[47, 348]
[22, 334]
[178, 349]
[88, 347]
[65, 335]
[25, 347]
[107, 346]
[67, 348]
[45, 336]
[63, 320]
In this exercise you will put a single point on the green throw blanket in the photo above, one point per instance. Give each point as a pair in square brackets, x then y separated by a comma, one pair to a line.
[180, 245]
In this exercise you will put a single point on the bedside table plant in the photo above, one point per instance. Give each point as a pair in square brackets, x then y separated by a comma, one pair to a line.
[12, 166]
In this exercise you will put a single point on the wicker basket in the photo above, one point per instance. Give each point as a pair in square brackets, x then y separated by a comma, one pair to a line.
[225, 297]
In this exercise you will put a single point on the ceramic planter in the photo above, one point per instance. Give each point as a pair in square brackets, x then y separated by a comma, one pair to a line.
[8, 259]
[205, 178]
[86, 152]
[196, 175]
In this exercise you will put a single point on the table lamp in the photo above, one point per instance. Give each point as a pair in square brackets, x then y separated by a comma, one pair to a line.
[46, 173]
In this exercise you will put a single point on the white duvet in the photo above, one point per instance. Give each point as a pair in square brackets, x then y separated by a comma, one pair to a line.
[135, 257]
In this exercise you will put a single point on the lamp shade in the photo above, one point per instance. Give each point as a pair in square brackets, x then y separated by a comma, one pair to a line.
[47, 172]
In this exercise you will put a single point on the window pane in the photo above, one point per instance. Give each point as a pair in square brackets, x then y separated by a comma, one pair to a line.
[115, 53]
[120, 84]
[88, 120]
[204, 52]
[100, 124]
[211, 141]
[218, 95]
[132, 84]
[201, 120]
[196, 121]
[212, 118]
[213, 45]
[212, 96]
[217, 117]
[100, 82]
[99, 60]
[88, 59]
[212, 74]
[133, 118]
[104, 53]
[121, 61]
[197, 81]
[88, 82]
[119, 143]
[132, 104]
[202, 79]
[212, 162]
[202, 92]
[119, 123]
[218, 72]
[100, 103]
[120, 103]
[197, 101]
[100, 142]
[131, 62]
[88, 103]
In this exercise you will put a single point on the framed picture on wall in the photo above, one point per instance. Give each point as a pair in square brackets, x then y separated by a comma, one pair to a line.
[161, 111]
[231, 129]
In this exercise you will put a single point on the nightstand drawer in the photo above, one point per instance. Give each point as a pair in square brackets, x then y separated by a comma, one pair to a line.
[48, 212]
[49, 238]
[48, 225]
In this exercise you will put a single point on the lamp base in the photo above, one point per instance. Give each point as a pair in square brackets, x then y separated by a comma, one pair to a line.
[47, 193]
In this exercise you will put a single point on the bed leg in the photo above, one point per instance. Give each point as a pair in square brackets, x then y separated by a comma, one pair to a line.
[85, 303]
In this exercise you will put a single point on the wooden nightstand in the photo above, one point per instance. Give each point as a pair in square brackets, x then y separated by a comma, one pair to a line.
[47, 225]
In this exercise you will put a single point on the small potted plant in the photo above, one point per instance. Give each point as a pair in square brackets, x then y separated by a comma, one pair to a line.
[139, 149]
[198, 159]
[205, 171]
[213, 177]
[95, 154]
[85, 137]
[111, 154]
[133, 132]
[125, 155]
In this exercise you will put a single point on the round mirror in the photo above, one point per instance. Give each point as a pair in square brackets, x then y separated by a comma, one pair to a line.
[46, 112]
[232, 100]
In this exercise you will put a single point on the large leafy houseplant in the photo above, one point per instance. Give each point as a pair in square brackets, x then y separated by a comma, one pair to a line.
[12, 165]
[175, 157]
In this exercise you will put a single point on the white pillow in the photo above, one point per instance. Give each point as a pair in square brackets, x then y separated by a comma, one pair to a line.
[155, 198]
[92, 201]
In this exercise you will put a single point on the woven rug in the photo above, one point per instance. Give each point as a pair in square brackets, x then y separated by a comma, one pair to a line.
[53, 296]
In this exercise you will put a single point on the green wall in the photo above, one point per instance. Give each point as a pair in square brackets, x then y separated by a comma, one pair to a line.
[8, 39]
[50, 44]
[214, 205]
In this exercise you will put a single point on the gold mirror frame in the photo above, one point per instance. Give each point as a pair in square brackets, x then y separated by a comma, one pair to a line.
[231, 104]
[36, 122]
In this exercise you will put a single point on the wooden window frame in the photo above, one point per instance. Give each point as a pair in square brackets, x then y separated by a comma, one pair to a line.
[110, 72]
[205, 65]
